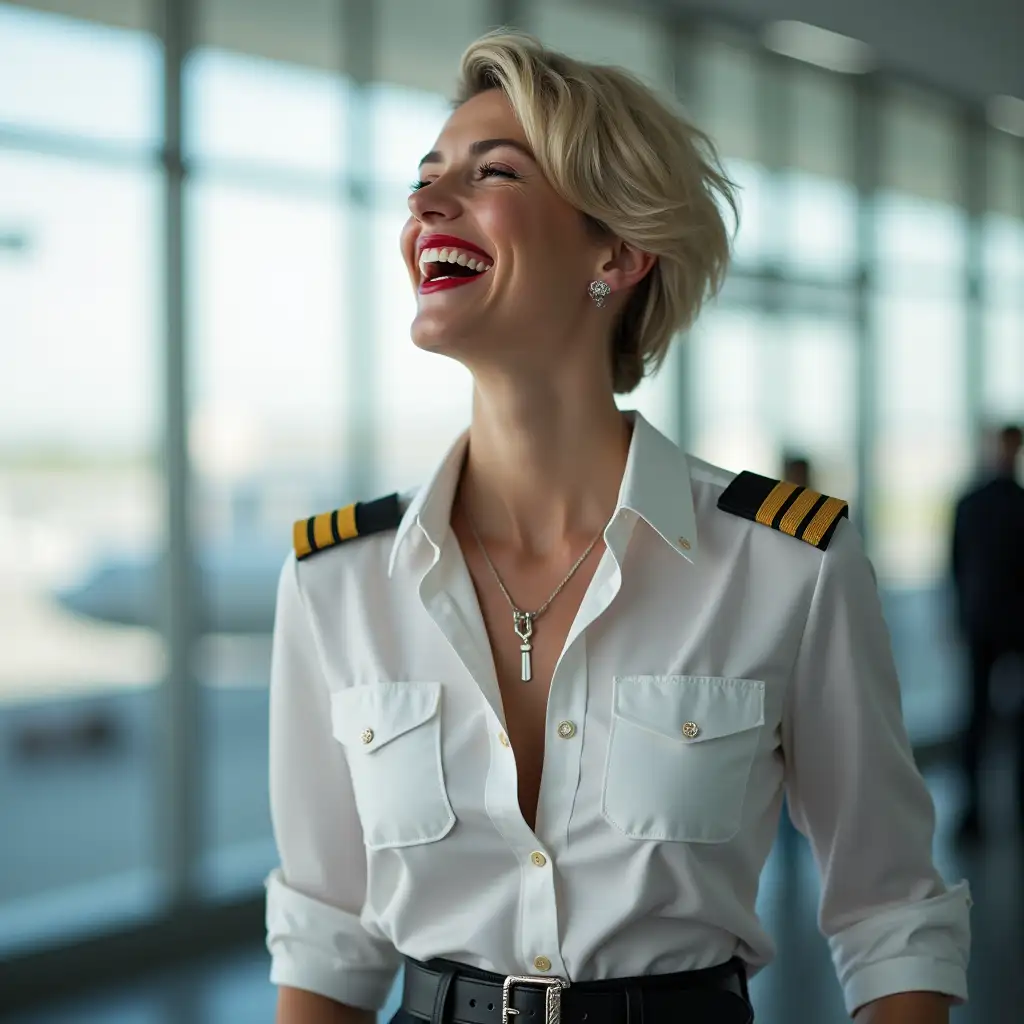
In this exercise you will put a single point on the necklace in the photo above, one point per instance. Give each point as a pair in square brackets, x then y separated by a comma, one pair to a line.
[523, 621]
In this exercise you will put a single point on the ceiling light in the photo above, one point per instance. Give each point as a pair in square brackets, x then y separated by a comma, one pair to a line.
[1007, 114]
[819, 46]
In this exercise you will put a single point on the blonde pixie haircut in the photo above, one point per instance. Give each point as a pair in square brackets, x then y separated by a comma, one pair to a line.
[633, 167]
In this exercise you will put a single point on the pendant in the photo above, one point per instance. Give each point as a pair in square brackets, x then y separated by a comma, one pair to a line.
[524, 630]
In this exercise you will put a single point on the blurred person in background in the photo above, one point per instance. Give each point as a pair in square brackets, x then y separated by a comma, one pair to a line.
[796, 469]
[988, 576]
[531, 726]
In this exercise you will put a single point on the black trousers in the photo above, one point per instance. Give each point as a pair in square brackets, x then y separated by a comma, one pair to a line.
[983, 658]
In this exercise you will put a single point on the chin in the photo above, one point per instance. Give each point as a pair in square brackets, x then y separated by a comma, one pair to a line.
[436, 334]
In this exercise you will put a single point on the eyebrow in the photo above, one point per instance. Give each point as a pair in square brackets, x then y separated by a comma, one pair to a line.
[481, 147]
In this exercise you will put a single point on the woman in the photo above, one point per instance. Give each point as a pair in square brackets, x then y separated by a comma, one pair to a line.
[539, 723]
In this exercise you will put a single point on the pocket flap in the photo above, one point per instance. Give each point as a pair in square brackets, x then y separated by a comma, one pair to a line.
[690, 709]
[366, 718]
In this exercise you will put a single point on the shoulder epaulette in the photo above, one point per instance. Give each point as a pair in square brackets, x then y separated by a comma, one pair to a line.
[789, 508]
[318, 533]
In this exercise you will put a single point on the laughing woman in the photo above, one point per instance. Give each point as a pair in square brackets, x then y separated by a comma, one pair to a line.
[531, 727]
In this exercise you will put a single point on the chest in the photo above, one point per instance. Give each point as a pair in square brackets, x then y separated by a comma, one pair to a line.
[530, 583]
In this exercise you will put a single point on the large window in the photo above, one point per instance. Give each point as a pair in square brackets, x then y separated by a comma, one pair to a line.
[81, 496]
[269, 260]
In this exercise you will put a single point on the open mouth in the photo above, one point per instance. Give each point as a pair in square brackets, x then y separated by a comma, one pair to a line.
[445, 265]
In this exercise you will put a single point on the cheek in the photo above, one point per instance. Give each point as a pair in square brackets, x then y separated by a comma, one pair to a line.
[545, 241]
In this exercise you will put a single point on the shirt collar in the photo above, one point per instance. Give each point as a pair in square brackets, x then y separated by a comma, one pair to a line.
[655, 485]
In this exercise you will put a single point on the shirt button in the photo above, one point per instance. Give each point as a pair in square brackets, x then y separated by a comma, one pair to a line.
[367, 736]
[566, 730]
[538, 858]
[503, 739]
[542, 963]
[684, 544]
[691, 730]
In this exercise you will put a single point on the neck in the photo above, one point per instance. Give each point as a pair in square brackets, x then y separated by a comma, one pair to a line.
[544, 463]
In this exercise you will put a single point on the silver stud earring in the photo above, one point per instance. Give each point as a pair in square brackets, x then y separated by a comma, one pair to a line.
[599, 291]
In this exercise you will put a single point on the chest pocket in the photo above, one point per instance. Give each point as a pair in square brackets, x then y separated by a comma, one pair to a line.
[680, 751]
[392, 737]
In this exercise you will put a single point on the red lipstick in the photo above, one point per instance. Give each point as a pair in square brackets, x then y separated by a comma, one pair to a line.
[449, 242]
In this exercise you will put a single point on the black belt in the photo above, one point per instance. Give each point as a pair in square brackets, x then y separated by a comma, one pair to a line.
[446, 992]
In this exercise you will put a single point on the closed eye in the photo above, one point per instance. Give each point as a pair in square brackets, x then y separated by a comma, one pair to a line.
[493, 170]
[484, 170]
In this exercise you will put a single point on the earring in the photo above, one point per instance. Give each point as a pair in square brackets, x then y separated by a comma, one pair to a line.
[599, 291]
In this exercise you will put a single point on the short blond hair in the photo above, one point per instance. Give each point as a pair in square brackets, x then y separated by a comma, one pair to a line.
[611, 147]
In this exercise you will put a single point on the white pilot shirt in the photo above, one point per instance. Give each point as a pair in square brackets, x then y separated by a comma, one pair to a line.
[714, 664]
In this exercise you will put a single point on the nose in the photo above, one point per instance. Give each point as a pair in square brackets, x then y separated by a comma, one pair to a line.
[435, 201]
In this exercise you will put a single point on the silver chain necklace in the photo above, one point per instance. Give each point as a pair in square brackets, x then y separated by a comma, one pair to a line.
[523, 621]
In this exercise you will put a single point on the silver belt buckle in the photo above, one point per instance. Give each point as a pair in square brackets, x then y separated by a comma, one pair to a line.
[552, 997]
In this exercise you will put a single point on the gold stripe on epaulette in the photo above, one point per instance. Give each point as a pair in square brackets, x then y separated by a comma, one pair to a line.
[823, 519]
[776, 499]
[798, 511]
[300, 538]
[323, 536]
[347, 523]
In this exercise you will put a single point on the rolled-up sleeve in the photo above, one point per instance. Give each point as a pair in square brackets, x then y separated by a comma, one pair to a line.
[854, 790]
[314, 933]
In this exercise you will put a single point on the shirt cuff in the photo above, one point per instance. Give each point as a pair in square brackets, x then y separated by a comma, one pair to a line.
[319, 948]
[916, 947]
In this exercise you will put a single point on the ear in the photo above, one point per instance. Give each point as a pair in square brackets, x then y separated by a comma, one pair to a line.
[623, 265]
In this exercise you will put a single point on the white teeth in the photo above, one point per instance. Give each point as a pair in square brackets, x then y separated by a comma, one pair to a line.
[457, 256]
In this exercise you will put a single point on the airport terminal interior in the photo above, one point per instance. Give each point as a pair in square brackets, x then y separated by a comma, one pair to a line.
[204, 335]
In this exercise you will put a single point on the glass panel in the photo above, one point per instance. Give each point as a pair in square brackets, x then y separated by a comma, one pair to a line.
[264, 86]
[764, 389]
[815, 399]
[406, 125]
[818, 190]
[822, 108]
[822, 225]
[420, 44]
[923, 446]
[1003, 390]
[267, 437]
[88, 79]
[1005, 173]
[921, 243]
[727, 89]
[584, 31]
[921, 228]
[922, 147]
[248, 108]
[729, 404]
[657, 398]
[751, 241]
[81, 527]
[420, 48]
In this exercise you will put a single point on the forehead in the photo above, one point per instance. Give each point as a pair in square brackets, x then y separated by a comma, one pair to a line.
[488, 115]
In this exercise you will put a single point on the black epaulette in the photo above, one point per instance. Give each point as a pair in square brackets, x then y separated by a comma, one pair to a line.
[789, 508]
[318, 533]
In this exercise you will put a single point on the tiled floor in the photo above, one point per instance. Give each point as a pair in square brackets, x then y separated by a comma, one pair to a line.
[799, 988]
